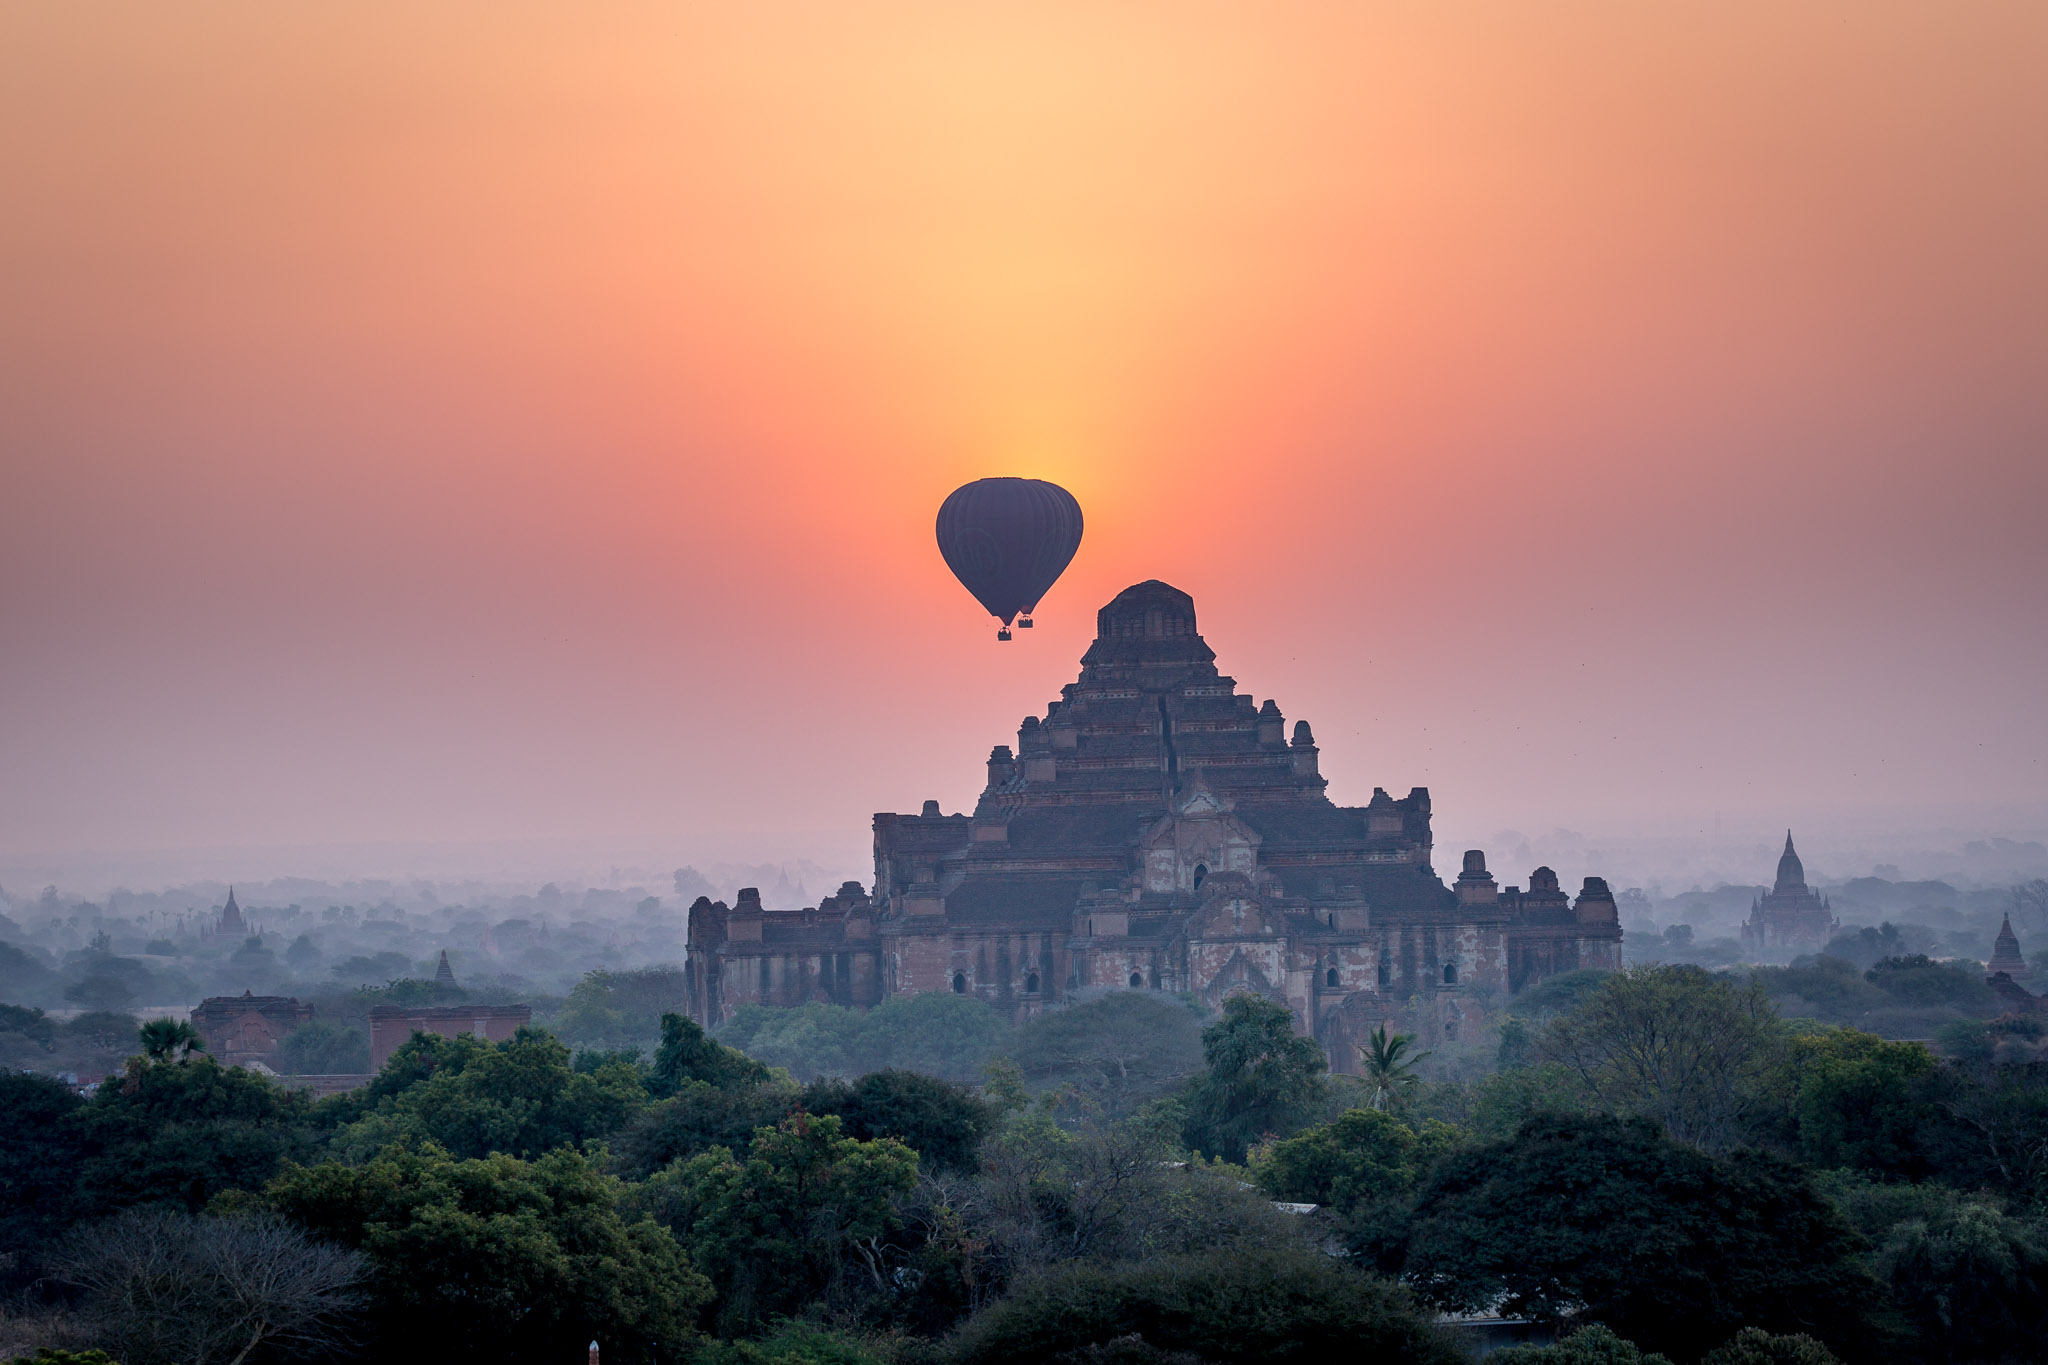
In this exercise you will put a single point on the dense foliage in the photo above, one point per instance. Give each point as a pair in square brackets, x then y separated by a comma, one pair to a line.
[1654, 1162]
[1674, 1248]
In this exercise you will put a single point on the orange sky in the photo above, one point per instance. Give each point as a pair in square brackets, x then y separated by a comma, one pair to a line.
[447, 422]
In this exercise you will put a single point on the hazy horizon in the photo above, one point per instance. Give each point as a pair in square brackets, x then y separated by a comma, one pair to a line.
[1669, 860]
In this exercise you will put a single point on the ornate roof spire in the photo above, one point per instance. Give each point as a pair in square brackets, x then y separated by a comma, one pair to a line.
[231, 921]
[444, 972]
[1791, 872]
[2005, 954]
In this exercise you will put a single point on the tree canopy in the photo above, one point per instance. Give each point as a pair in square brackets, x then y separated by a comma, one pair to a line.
[499, 1258]
[1672, 1247]
[475, 1098]
[1258, 1308]
[780, 1228]
[1263, 1078]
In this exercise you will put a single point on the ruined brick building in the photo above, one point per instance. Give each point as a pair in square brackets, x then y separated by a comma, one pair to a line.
[1791, 914]
[245, 1028]
[1157, 829]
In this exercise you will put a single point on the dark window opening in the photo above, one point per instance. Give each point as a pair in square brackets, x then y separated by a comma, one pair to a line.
[1166, 738]
[959, 983]
[1330, 977]
[1201, 871]
[1136, 980]
[1031, 984]
[1450, 973]
[1386, 970]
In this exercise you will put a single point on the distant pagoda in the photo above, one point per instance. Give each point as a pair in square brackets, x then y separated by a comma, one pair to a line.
[1791, 915]
[2006, 959]
[231, 923]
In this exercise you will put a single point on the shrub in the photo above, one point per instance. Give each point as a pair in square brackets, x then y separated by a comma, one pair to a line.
[1262, 1306]
[1754, 1346]
[1594, 1345]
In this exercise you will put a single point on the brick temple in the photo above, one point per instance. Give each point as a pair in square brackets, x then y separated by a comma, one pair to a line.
[1159, 830]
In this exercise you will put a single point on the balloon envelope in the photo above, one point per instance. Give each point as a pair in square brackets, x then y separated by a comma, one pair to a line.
[1008, 540]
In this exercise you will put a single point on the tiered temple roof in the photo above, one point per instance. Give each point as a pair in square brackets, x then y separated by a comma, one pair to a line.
[1156, 826]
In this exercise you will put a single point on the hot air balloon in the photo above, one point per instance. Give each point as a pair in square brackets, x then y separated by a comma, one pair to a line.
[1008, 541]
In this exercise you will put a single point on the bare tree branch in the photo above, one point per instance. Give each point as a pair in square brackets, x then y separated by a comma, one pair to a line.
[167, 1288]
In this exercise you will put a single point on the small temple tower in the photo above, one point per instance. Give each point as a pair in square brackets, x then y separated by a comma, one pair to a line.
[2006, 959]
[1791, 915]
[231, 923]
[444, 972]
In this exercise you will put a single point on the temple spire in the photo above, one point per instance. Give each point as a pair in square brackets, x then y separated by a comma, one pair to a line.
[231, 921]
[2006, 957]
[1791, 872]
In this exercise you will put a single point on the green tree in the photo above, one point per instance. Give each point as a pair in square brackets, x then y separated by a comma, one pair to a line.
[943, 1122]
[1693, 1051]
[794, 1343]
[784, 1228]
[520, 1096]
[182, 1134]
[1264, 1079]
[107, 984]
[1991, 1127]
[1113, 1053]
[318, 1049]
[1859, 1101]
[699, 1117]
[938, 1033]
[1258, 1307]
[28, 1040]
[1968, 1276]
[1559, 994]
[101, 1037]
[1754, 1346]
[39, 1161]
[32, 1026]
[1915, 979]
[1828, 988]
[501, 1259]
[170, 1040]
[621, 1009]
[1517, 1045]
[810, 1040]
[1671, 1247]
[303, 956]
[1388, 1068]
[22, 975]
[1363, 1167]
[688, 1053]
[1504, 1101]
[1591, 1345]
[1362, 1156]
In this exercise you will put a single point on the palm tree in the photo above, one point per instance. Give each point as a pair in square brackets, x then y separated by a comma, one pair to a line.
[170, 1040]
[1389, 1068]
